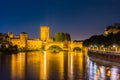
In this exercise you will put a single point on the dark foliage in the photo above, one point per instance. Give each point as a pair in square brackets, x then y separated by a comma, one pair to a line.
[99, 40]
[60, 37]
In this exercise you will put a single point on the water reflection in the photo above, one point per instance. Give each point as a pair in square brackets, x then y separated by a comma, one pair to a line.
[101, 71]
[42, 66]
[55, 66]
[18, 66]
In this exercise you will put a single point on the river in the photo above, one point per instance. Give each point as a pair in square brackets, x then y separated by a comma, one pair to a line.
[54, 66]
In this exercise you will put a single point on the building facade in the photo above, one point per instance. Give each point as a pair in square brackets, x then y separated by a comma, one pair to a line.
[112, 29]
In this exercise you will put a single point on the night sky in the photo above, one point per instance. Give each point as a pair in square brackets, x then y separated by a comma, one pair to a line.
[80, 18]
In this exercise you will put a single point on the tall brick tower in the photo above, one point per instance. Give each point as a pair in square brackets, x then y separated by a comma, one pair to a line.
[44, 33]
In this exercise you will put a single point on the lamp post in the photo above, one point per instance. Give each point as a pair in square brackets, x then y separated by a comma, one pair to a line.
[96, 47]
[102, 48]
[115, 47]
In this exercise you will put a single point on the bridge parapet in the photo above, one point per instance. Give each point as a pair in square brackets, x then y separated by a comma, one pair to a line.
[76, 44]
[64, 45]
[47, 45]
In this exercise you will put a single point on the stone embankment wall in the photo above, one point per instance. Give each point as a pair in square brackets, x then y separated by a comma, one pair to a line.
[109, 56]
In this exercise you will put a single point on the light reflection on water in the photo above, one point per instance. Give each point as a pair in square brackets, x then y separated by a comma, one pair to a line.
[54, 66]
[42, 66]
[101, 71]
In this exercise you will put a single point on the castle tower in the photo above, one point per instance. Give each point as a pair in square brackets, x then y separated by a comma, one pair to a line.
[44, 33]
[23, 39]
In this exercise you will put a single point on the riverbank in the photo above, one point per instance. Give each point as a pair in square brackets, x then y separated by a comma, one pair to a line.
[106, 56]
[104, 62]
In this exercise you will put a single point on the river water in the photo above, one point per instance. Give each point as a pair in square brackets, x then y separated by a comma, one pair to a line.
[55, 66]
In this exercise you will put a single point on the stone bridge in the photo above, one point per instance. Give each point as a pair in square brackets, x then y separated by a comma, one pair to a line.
[49, 44]
[64, 45]
[76, 44]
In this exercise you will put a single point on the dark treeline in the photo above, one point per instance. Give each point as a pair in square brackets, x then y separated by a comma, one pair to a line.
[99, 40]
[61, 37]
[9, 49]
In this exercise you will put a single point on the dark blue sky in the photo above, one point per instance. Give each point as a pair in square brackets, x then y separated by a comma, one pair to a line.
[80, 18]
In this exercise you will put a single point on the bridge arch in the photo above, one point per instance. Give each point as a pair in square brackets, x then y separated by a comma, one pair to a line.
[76, 45]
[48, 45]
[55, 48]
[76, 48]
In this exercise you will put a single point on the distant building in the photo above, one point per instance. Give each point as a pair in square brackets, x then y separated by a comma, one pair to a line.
[112, 29]
[4, 40]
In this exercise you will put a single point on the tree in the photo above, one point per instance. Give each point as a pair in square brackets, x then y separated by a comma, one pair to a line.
[61, 37]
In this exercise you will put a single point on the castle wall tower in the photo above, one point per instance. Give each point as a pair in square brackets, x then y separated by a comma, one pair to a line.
[44, 33]
[23, 39]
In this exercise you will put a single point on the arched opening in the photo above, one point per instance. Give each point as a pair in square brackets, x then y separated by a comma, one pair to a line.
[76, 49]
[54, 48]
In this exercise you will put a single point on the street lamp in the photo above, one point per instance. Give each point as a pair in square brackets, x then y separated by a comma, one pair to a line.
[91, 47]
[114, 47]
[96, 47]
[102, 48]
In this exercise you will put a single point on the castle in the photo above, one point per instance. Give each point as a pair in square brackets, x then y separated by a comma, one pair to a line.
[24, 42]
